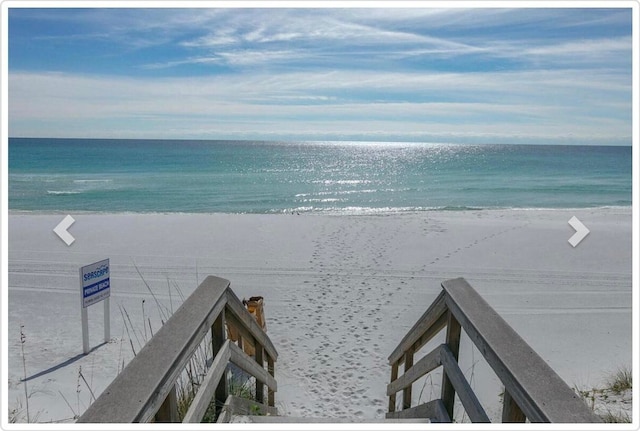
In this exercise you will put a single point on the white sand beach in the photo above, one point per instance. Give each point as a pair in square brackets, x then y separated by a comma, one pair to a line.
[340, 293]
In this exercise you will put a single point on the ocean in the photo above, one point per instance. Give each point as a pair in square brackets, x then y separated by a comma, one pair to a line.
[103, 175]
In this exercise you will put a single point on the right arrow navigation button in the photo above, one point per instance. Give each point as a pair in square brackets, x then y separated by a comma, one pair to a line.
[581, 231]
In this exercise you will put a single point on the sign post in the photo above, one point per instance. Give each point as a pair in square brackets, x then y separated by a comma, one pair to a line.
[95, 286]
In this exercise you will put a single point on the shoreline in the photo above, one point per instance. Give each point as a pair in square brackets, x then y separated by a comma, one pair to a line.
[368, 211]
[572, 305]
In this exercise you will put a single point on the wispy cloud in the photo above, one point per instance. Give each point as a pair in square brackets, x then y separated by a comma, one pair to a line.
[329, 37]
[585, 48]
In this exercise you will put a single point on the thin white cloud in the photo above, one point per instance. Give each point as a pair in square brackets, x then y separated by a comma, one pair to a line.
[250, 57]
[247, 57]
[186, 61]
[212, 40]
[593, 48]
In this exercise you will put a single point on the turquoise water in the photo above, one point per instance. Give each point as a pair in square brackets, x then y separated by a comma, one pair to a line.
[336, 177]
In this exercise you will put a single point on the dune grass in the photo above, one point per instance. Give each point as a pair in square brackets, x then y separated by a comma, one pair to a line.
[621, 380]
[611, 402]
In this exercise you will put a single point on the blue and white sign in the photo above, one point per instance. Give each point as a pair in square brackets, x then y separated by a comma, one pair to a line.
[95, 283]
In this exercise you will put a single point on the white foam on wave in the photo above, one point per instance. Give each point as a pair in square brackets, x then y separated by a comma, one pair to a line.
[323, 200]
[82, 181]
[63, 192]
[342, 182]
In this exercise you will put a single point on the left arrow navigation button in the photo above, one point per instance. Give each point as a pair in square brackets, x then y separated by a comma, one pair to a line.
[61, 230]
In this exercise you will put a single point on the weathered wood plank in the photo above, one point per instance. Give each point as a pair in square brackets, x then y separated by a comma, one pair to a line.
[467, 397]
[271, 395]
[234, 305]
[433, 410]
[247, 363]
[218, 335]
[511, 413]
[431, 316]
[392, 394]
[541, 394]
[441, 412]
[406, 392]
[207, 389]
[452, 341]
[138, 391]
[168, 411]
[259, 385]
[424, 366]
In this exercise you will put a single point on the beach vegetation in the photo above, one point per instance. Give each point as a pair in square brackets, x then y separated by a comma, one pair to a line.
[611, 402]
[616, 417]
[191, 378]
[75, 415]
[19, 412]
[621, 381]
[433, 387]
[23, 339]
[16, 413]
[254, 410]
[242, 389]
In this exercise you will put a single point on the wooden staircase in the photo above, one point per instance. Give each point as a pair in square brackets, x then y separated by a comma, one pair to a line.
[145, 391]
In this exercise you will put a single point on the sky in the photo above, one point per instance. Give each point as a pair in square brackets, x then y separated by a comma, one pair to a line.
[519, 75]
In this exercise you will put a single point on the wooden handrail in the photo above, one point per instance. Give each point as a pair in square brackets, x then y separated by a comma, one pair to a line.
[424, 329]
[533, 390]
[148, 382]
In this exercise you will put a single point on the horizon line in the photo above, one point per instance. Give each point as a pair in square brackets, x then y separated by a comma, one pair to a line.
[551, 142]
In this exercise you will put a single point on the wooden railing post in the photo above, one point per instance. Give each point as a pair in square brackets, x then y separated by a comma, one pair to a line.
[453, 341]
[218, 334]
[392, 397]
[511, 412]
[168, 411]
[406, 392]
[271, 395]
[259, 385]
